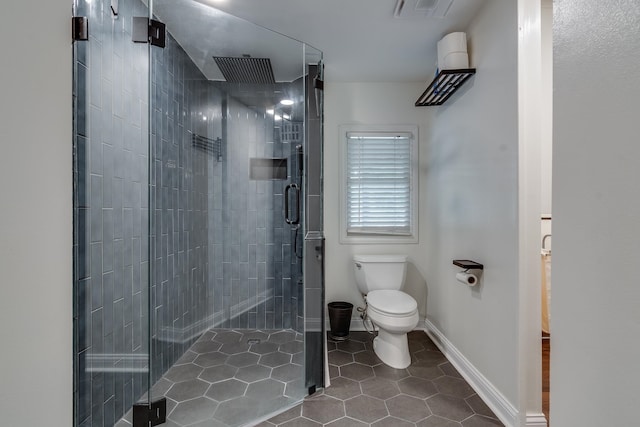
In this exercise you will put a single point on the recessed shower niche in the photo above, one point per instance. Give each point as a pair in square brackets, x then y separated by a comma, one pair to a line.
[191, 289]
[267, 169]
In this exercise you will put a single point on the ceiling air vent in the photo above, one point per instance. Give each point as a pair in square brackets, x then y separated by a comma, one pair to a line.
[422, 8]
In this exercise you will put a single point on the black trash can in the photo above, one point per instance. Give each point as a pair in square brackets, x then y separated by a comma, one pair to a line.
[340, 319]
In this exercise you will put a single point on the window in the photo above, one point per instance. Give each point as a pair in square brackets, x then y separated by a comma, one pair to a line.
[379, 195]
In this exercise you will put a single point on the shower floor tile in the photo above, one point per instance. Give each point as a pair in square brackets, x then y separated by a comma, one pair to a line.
[229, 378]
[365, 392]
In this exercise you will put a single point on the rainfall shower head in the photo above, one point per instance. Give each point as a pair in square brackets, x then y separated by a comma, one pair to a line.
[245, 70]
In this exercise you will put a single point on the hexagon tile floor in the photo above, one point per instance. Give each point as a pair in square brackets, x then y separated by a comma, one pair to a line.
[231, 377]
[365, 392]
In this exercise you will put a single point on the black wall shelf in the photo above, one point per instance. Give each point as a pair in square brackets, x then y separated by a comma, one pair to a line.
[468, 264]
[445, 84]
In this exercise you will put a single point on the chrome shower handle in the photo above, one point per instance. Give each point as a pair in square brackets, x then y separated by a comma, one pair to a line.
[288, 220]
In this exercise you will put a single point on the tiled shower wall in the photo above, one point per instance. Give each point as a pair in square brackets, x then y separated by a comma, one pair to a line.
[221, 253]
[256, 269]
[111, 215]
[181, 298]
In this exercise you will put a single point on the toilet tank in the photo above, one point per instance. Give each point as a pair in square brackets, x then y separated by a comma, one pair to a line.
[375, 272]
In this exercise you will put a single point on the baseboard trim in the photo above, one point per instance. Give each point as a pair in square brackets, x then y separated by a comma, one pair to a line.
[536, 420]
[497, 402]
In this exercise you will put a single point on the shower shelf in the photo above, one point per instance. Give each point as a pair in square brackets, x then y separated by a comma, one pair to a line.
[468, 264]
[445, 84]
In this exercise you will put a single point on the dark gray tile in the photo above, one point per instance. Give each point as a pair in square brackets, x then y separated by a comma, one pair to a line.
[340, 358]
[384, 371]
[275, 359]
[183, 372]
[226, 390]
[426, 371]
[448, 369]
[207, 360]
[219, 373]
[186, 390]
[265, 389]
[242, 359]
[436, 421]
[380, 388]
[234, 348]
[347, 422]
[292, 347]
[367, 358]
[228, 337]
[365, 408]
[301, 422]
[407, 408]
[282, 337]
[479, 407]
[264, 348]
[193, 411]
[452, 408]
[288, 372]
[392, 422]
[417, 387]
[255, 373]
[242, 410]
[287, 415]
[344, 388]
[480, 421]
[160, 387]
[350, 346]
[453, 386]
[356, 371]
[426, 357]
[323, 409]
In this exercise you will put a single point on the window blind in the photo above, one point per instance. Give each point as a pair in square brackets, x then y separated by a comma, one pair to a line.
[379, 187]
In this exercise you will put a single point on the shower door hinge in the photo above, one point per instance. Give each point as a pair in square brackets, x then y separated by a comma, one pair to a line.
[150, 414]
[145, 30]
[79, 28]
[318, 83]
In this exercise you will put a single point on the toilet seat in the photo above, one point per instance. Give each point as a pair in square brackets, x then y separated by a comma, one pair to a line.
[391, 303]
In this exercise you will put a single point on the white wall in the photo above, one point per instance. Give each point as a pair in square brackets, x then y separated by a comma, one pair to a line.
[35, 217]
[546, 113]
[369, 103]
[595, 319]
[472, 204]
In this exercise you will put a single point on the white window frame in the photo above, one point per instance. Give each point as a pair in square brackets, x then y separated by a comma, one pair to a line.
[361, 238]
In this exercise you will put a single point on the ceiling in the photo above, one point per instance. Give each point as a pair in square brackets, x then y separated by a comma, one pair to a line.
[360, 40]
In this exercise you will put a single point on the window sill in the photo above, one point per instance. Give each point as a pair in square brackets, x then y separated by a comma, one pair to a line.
[374, 239]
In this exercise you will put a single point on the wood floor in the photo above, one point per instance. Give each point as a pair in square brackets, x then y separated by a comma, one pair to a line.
[546, 352]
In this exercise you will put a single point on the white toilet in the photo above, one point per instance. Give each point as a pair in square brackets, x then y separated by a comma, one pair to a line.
[380, 278]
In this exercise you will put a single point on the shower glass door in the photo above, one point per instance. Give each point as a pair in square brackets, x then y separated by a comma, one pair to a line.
[111, 215]
[198, 292]
[228, 110]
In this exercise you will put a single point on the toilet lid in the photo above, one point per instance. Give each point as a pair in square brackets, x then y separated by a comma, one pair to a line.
[392, 302]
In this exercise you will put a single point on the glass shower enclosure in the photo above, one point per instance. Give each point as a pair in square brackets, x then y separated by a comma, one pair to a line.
[198, 244]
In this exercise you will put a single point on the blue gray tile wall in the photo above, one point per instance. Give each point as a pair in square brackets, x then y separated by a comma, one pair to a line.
[191, 232]
[111, 215]
[259, 270]
[179, 185]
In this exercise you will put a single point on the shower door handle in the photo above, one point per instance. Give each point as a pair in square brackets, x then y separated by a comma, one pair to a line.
[295, 187]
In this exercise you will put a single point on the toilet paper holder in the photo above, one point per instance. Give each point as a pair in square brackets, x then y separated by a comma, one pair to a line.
[467, 277]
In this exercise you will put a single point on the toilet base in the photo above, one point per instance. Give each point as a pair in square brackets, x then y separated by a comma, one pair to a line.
[392, 349]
